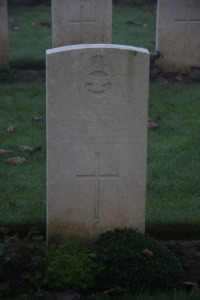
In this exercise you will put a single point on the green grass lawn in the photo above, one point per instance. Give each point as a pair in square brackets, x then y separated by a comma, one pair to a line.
[135, 26]
[28, 44]
[173, 188]
[22, 189]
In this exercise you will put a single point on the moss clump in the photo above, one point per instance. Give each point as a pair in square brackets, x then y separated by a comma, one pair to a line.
[136, 261]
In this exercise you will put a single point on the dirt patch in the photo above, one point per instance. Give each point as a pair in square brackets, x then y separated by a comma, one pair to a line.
[30, 76]
[188, 253]
[39, 76]
[17, 250]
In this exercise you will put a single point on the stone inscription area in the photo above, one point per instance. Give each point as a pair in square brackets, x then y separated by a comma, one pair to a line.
[97, 128]
[98, 84]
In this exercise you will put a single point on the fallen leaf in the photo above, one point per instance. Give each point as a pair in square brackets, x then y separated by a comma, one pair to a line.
[152, 125]
[25, 148]
[36, 119]
[15, 160]
[29, 149]
[5, 151]
[10, 129]
[147, 253]
[117, 290]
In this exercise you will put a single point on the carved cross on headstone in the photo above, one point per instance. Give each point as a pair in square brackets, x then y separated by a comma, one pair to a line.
[188, 20]
[82, 20]
[97, 176]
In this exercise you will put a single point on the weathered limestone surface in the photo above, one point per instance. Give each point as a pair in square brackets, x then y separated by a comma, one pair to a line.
[4, 56]
[81, 22]
[97, 99]
[178, 34]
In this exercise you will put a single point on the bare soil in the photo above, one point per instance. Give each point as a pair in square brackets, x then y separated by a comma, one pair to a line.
[18, 249]
[39, 76]
[30, 76]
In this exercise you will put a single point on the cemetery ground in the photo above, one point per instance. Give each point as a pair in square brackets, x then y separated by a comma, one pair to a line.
[172, 205]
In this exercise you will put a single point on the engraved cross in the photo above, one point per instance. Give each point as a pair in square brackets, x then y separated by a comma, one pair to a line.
[97, 177]
[188, 21]
[81, 21]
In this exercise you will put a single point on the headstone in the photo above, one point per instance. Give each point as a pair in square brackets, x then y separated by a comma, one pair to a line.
[178, 34]
[4, 56]
[97, 134]
[81, 22]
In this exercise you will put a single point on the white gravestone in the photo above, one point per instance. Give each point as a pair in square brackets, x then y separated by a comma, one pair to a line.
[178, 34]
[81, 22]
[97, 134]
[4, 56]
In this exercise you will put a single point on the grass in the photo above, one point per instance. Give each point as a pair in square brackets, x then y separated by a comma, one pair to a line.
[173, 188]
[28, 44]
[135, 26]
[22, 189]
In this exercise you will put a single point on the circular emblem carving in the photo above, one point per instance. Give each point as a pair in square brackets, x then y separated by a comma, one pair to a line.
[98, 80]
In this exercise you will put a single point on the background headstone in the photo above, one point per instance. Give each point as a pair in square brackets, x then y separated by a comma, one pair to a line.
[81, 22]
[178, 34]
[97, 134]
[4, 55]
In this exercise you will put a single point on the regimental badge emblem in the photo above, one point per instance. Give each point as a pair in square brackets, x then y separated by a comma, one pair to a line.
[98, 80]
